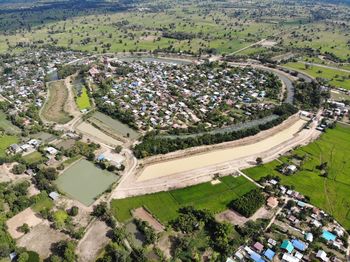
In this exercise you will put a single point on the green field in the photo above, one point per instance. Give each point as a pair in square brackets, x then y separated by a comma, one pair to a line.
[331, 193]
[83, 101]
[33, 157]
[336, 78]
[110, 125]
[164, 205]
[5, 142]
[7, 125]
[85, 182]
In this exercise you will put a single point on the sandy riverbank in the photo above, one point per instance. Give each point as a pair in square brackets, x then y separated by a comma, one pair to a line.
[218, 156]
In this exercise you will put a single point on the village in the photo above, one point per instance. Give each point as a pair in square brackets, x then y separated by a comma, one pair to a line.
[162, 96]
[296, 232]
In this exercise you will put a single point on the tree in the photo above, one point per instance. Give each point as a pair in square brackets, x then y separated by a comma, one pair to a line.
[118, 149]
[23, 257]
[259, 161]
[74, 211]
[24, 228]
[18, 169]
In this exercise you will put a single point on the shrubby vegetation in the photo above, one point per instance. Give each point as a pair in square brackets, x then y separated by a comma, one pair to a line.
[309, 95]
[249, 203]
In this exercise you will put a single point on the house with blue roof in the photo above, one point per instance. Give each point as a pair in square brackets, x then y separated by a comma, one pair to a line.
[269, 254]
[256, 257]
[287, 245]
[299, 245]
[328, 235]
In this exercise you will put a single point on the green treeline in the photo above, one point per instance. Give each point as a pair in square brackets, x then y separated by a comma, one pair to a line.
[153, 145]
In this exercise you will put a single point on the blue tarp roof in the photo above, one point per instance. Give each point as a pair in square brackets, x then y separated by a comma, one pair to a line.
[256, 257]
[328, 235]
[269, 254]
[301, 246]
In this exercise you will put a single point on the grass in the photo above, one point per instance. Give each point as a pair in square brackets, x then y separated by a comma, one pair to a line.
[164, 205]
[83, 101]
[33, 157]
[7, 125]
[60, 216]
[330, 194]
[43, 203]
[85, 182]
[335, 77]
[5, 142]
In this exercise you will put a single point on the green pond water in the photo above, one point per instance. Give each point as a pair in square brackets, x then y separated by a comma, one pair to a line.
[84, 181]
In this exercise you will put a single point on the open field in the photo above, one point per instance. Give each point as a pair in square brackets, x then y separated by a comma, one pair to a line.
[336, 78]
[83, 101]
[7, 125]
[33, 157]
[164, 205]
[40, 239]
[26, 216]
[43, 136]
[113, 126]
[97, 134]
[85, 182]
[54, 108]
[329, 193]
[218, 156]
[5, 142]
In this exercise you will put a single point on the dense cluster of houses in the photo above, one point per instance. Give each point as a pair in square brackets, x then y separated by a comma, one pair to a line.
[22, 77]
[300, 232]
[163, 95]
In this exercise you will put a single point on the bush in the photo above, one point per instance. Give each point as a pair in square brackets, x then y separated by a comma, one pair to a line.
[249, 203]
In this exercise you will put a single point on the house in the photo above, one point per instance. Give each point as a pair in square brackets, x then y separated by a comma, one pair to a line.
[322, 255]
[272, 242]
[258, 247]
[272, 202]
[13, 256]
[287, 245]
[54, 196]
[289, 258]
[256, 257]
[291, 169]
[269, 254]
[30, 172]
[309, 237]
[299, 245]
[51, 150]
[229, 259]
[14, 148]
[328, 235]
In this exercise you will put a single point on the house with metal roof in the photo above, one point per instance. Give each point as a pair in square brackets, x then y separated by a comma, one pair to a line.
[287, 245]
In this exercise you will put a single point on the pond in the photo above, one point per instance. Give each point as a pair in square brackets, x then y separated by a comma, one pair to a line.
[85, 182]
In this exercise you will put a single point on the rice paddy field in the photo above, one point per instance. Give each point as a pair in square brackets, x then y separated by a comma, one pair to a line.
[336, 77]
[164, 205]
[5, 142]
[85, 182]
[329, 193]
[110, 125]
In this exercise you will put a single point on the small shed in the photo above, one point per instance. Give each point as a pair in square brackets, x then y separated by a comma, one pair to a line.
[54, 196]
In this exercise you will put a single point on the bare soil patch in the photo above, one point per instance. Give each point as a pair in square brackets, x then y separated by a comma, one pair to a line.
[27, 216]
[54, 109]
[235, 218]
[40, 239]
[94, 240]
[142, 214]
